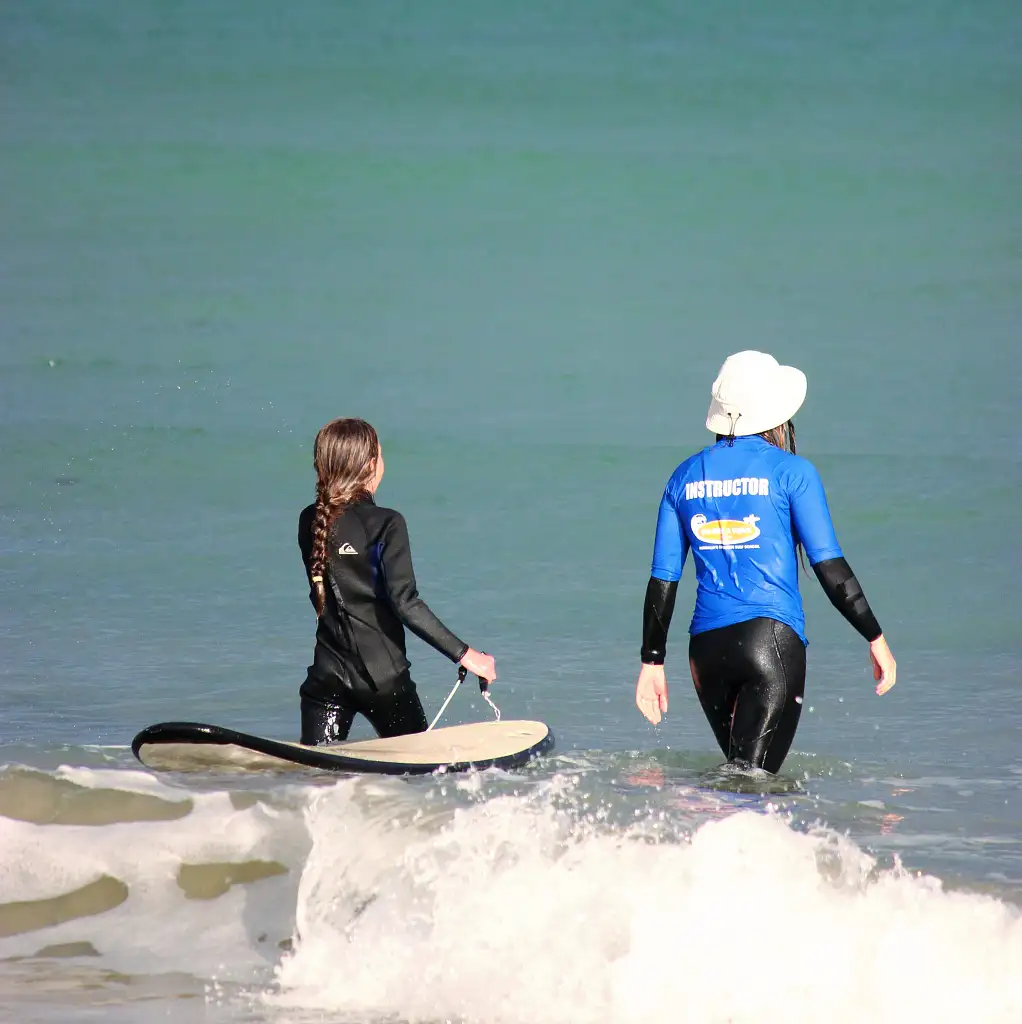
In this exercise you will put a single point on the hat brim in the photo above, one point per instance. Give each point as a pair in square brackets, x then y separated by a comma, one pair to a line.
[782, 397]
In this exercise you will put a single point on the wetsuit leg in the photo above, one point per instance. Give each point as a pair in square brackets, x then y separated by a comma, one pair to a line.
[750, 678]
[328, 711]
[713, 685]
[396, 711]
[324, 721]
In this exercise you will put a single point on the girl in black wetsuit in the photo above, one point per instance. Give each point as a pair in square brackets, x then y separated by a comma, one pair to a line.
[359, 564]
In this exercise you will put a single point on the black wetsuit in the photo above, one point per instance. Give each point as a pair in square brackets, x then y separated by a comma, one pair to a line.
[750, 677]
[360, 665]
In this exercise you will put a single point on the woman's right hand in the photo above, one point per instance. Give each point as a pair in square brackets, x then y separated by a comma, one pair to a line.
[885, 668]
[651, 692]
[479, 664]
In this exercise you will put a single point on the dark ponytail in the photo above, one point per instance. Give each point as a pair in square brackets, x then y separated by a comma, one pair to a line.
[345, 459]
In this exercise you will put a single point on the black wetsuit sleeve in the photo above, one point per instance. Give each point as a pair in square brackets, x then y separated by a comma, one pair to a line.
[841, 586]
[399, 579]
[656, 619]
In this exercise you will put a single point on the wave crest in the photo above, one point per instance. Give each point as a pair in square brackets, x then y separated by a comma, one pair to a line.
[522, 909]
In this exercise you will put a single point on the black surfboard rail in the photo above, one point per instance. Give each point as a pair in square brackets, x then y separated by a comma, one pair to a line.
[322, 758]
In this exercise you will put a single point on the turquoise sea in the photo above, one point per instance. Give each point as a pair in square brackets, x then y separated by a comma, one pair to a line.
[520, 239]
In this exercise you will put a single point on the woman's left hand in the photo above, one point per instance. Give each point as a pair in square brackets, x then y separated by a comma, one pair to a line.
[651, 692]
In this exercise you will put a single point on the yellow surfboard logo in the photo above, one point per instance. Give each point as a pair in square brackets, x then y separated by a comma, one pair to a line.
[726, 532]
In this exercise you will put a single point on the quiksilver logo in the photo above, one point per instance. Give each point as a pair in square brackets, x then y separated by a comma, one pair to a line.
[346, 549]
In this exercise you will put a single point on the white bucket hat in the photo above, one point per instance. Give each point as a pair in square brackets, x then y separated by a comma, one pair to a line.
[753, 393]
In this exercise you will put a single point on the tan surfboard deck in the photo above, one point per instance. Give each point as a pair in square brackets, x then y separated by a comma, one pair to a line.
[192, 746]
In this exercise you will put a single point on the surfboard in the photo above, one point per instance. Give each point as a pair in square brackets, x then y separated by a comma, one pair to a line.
[193, 746]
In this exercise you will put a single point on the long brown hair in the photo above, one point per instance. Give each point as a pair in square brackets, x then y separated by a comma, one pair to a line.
[782, 437]
[345, 460]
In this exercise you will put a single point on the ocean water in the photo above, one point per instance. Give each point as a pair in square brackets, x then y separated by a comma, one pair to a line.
[520, 239]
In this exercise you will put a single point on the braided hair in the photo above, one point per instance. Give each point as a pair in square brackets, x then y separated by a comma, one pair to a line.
[345, 460]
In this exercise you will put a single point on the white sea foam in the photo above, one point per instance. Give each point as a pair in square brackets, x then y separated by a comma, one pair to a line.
[511, 911]
[495, 901]
[120, 779]
[158, 928]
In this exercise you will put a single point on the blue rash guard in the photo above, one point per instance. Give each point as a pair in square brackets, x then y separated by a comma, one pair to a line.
[742, 508]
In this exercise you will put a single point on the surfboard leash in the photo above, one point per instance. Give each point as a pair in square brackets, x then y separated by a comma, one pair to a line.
[462, 672]
[483, 689]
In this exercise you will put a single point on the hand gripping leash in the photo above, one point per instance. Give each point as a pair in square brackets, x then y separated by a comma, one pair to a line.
[483, 689]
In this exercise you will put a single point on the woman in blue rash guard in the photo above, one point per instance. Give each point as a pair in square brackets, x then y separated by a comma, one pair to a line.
[746, 507]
